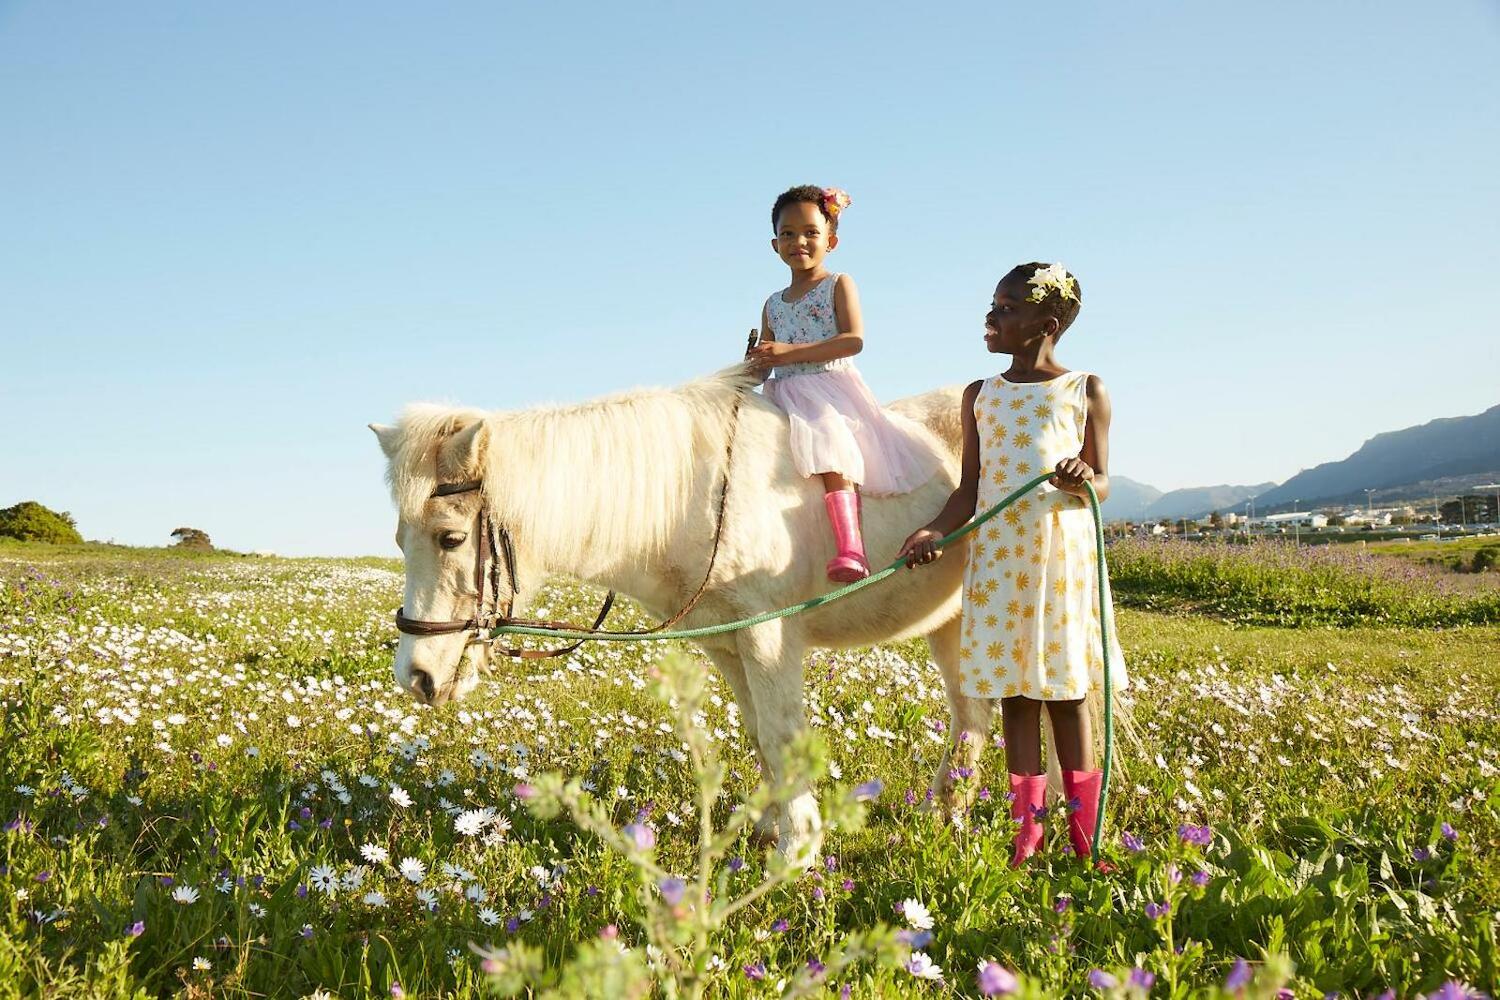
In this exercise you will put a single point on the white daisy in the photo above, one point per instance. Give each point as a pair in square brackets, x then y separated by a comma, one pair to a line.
[202, 964]
[476, 893]
[413, 870]
[916, 914]
[399, 796]
[322, 879]
[257, 911]
[354, 877]
[473, 821]
[489, 916]
[375, 899]
[375, 854]
[427, 898]
[185, 894]
[922, 967]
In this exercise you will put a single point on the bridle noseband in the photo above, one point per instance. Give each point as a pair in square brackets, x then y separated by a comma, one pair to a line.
[493, 541]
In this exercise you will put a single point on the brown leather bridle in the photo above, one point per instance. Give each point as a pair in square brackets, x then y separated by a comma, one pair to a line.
[493, 541]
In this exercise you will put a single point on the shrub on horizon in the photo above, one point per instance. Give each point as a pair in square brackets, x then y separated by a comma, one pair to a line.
[29, 521]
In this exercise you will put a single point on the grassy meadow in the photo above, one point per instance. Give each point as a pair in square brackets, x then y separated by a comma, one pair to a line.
[210, 787]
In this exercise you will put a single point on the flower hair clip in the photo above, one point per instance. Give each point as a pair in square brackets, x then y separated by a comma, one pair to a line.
[1053, 276]
[835, 200]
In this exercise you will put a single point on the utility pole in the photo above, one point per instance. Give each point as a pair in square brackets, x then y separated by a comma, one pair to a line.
[1296, 525]
[1368, 511]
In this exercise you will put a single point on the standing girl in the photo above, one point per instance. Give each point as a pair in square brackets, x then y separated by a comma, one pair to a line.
[1031, 628]
[810, 332]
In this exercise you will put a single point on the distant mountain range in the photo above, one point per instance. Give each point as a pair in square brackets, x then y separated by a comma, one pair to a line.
[1133, 501]
[1443, 457]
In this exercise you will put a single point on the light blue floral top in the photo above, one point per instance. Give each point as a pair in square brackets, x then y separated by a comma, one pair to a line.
[809, 320]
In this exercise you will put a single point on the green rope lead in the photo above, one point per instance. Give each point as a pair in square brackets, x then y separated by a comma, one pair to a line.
[871, 580]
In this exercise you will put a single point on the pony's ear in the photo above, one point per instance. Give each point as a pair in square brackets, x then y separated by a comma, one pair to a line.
[463, 452]
[388, 436]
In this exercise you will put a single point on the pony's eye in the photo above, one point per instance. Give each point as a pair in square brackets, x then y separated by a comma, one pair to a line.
[452, 539]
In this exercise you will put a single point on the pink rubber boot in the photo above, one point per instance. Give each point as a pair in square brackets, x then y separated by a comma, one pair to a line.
[1082, 787]
[1028, 805]
[843, 511]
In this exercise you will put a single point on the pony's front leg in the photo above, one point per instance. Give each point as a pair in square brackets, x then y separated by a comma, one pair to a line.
[772, 660]
[957, 779]
[733, 670]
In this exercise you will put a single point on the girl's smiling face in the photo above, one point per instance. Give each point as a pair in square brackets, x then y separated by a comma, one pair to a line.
[803, 236]
[1011, 321]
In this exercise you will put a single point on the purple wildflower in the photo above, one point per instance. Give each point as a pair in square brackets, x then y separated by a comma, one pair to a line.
[1421, 854]
[1132, 842]
[672, 890]
[1449, 833]
[523, 791]
[1141, 979]
[136, 929]
[1455, 990]
[1239, 976]
[780, 926]
[1062, 903]
[1101, 980]
[996, 980]
[1158, 910]
[914, 939]
[1200, 835]
[815, 967]
[1201, 878]
[641, 835]
[756, 971]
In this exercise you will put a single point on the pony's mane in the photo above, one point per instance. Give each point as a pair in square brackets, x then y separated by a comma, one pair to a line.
[608, 475]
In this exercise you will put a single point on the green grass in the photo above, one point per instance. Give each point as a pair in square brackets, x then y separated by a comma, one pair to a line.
[1324, 759]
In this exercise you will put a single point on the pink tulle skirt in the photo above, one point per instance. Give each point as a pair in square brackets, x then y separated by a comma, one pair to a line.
[837, 426]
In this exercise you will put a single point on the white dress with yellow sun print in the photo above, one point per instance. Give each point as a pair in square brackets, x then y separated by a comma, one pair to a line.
[1031, 598]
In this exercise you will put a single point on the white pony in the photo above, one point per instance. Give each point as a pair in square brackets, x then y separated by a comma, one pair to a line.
[622, 492]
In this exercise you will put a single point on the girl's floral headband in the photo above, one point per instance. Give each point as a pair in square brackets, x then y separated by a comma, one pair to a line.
[835, 200]
[1045, 279]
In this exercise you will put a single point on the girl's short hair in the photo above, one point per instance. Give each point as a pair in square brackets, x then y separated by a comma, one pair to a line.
[1063, 309]
[809, 193]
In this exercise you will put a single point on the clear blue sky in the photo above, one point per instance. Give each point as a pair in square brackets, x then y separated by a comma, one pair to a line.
[233, 234]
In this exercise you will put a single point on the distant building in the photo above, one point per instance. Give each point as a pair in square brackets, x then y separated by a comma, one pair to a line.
[1304, 519]
[1469, 509]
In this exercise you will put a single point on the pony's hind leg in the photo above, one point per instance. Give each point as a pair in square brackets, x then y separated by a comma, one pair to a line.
[773, 673]
[733, 670]
[957, 779]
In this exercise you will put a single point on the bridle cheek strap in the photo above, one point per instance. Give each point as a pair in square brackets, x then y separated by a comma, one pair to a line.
[492, 545]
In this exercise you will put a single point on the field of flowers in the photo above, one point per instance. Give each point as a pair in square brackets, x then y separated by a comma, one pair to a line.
[210, 786]
[1282, 583]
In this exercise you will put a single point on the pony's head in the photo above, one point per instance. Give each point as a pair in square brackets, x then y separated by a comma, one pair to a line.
[437, 457]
